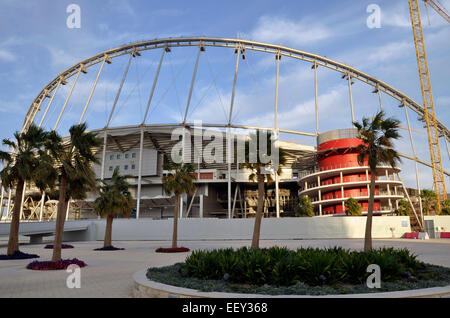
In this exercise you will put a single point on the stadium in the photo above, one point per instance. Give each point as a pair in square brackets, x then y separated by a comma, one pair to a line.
[321, 158]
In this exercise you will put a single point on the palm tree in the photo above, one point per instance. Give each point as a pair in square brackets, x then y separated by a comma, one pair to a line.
[27, 162]
[429, 200]
[377, 148]
[76, 177]
[404, 208]
[445, 209]
[178, 181]
[258, 169]
[115, 199]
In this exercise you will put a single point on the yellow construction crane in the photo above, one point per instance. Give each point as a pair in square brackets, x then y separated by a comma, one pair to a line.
[429, 115]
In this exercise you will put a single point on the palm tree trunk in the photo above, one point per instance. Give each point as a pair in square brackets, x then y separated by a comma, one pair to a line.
[259, 211]
[13, 243]
[175, 222]
[60, 218]
[368, 237]
[108, 232]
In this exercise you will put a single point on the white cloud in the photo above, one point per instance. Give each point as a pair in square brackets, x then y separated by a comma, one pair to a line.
[399, 16]
[122, 7]
[6, 56]
[61, 57]
[169, 12]
[389, 51]
[303, 113]
[282, 30]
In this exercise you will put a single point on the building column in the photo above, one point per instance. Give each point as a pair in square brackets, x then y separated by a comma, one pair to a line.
[388, 190]
[367, 179]
[23, 199]
[68, 210]
[41, 212]
[1, 203]
[201, 206]
[181, 206]
[9, 203]
[141, 158]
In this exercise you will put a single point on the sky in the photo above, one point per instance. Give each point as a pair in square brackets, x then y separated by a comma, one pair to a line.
[36, 45]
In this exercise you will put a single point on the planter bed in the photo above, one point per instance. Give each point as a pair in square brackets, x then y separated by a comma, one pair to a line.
[171, 276]
[51, 266]
[280, 271]
[18, 255]
[109, 248]
[173, 250]
[63, 246]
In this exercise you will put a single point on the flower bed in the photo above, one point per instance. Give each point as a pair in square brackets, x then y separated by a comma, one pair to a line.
[18, 255]
[63, 246]
[173, 250]
[279, 271]
[109, 248]
[51, 266]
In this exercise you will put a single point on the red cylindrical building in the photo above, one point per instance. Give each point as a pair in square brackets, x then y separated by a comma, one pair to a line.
[339, 177]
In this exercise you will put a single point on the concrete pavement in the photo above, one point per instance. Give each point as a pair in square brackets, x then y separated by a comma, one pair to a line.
[109, 274]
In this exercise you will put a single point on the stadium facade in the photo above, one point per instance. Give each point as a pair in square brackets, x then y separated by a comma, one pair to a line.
[328, 174]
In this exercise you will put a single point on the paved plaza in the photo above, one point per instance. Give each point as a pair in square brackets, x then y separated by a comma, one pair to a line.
[109, 274]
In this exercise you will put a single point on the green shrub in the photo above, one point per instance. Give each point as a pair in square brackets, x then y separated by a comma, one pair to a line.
[304, 207]
[280, 266]
[352, 207]
[445, 208]
[404, 209]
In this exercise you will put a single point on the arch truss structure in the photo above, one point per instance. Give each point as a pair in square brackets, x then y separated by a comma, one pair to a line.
[40, 106]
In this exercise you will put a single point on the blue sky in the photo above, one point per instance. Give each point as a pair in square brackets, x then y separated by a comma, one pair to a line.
[36, 45]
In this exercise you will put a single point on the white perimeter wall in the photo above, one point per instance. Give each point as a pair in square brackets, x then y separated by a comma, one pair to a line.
[242, 229]
[441, 221]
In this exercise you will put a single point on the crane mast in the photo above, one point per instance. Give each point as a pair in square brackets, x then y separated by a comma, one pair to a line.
[438, 9]
[429, 115]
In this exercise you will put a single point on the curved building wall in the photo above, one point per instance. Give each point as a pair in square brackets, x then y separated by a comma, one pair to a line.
[341, 177]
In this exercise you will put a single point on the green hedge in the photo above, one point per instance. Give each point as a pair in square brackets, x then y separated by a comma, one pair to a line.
[283, 267]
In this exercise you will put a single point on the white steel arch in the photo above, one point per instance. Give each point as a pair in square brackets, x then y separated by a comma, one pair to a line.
[240, 46]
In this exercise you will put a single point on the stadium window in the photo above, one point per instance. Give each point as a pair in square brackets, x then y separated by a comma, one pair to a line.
[110, 168]
[118, 156]
[133, 167]
[133, 155]
[126, 156]
[126, 167]
[111, 157]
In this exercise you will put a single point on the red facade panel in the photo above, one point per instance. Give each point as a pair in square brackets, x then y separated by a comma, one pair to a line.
[338, 154]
